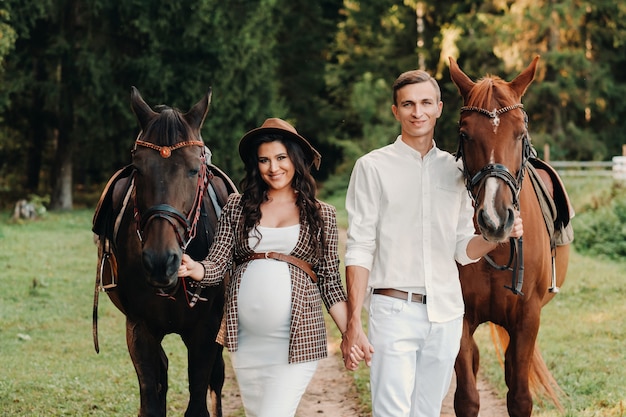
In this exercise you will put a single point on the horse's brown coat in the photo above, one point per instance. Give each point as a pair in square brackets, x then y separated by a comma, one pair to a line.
[148, 252]
[485, 297]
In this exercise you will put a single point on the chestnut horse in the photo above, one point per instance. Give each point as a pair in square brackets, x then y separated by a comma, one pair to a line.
[166, 203]
[510, 285]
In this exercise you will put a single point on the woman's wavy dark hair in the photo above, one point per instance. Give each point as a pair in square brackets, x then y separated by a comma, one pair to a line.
[254, 189]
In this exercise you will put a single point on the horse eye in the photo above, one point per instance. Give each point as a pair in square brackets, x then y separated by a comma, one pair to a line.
[463, 136]
[193, 172]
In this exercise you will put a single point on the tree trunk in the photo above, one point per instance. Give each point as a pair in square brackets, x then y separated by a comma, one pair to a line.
[61, 198]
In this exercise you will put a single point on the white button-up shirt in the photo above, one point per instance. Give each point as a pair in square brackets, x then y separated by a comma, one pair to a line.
[410, 221]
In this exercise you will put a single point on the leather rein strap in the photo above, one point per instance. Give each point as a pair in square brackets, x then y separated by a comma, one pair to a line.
[303, 265]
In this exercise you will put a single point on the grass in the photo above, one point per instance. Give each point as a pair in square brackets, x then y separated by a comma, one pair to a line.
[581, 339]
[49, 366]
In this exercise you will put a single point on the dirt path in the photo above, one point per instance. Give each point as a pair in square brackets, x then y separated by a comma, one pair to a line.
[331, 393]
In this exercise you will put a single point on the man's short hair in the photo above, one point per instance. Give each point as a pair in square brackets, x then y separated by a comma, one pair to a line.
[414, 77]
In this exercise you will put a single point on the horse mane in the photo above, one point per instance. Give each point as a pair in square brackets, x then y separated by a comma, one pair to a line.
[167, 128]
[490, 92]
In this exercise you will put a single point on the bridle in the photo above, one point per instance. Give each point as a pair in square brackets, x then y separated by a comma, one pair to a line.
[499, 171]
[174, 217]
[164, 211]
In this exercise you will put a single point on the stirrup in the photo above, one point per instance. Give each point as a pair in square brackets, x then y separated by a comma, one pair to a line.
[553, 287]
[107, 259]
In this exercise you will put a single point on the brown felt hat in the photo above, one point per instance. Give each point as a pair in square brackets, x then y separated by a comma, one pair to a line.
[278, 126]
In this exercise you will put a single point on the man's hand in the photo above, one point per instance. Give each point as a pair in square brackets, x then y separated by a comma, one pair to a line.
[355, 347]
[518, 227]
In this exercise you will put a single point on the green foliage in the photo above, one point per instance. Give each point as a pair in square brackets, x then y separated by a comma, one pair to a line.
[325, 66]
[601, 231]
[173, 53]
[7, 42]
[600, 220]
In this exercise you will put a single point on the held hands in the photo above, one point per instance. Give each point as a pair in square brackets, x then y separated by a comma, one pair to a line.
[190, 268]
[355, 347]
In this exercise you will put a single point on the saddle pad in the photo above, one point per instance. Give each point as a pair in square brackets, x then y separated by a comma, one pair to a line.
[564, 208]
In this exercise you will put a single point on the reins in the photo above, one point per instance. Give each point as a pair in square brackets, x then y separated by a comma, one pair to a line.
[516, 258]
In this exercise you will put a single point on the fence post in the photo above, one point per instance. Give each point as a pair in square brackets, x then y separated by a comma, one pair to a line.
[619, 167]
[546, 152]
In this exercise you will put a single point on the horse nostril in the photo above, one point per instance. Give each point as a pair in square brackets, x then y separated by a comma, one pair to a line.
[147, 261]
[484, 220]
[510, 219]
[172, 264]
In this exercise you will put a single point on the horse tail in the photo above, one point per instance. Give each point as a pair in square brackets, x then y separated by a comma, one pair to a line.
[541, 383]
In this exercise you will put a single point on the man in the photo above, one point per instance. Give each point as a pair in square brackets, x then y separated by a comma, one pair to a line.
[410, 221]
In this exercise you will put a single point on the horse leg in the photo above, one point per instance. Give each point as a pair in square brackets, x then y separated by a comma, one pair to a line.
[151, 365]
[205, 369]
[218, 375]
[518, 359]
[466, 398]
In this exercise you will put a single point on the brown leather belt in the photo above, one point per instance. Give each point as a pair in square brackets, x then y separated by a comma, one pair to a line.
[303, 265]
[402, 295]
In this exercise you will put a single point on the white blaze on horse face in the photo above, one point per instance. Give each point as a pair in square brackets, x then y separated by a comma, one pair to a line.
[490, 199]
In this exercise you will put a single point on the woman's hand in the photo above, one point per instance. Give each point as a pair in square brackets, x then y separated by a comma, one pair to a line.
[190, 268]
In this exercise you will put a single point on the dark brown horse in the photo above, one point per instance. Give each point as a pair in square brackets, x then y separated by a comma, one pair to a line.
[510, 285]
[165, 203]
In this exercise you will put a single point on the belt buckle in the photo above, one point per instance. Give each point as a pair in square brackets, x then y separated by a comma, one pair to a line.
[422, 299]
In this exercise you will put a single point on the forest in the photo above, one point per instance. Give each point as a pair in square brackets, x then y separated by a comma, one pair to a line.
[67, 67]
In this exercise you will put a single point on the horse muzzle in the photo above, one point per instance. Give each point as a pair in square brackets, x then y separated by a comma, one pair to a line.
[493, 226]
[161, 267]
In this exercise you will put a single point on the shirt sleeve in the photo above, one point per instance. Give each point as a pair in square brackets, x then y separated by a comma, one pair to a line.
[329, 277]
[220, 256]
[362, 205]
[465, 230]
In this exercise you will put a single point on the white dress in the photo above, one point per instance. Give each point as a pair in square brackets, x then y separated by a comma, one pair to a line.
[269, 385]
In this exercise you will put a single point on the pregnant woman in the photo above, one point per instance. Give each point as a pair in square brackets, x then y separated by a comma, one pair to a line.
[280, 243]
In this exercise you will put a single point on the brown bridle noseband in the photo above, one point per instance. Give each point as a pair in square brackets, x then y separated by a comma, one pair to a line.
[499, 171]
[164, 211]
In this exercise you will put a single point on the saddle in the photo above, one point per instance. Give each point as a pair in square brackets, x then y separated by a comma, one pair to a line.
[554, 201]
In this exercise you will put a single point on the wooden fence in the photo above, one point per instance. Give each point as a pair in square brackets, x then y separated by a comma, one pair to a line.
[590, 168]
[615, 168]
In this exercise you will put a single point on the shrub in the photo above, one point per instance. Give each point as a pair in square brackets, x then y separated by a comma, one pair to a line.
[602, 231]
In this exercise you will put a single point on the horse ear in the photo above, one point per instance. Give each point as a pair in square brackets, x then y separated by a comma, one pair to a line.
[460, 79]
[196, 115]
[523, 80]
[142, 111]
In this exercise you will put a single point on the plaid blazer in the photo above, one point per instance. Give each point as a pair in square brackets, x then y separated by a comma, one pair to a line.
[307, 338]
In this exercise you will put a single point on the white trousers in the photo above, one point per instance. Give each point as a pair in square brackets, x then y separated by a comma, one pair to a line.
[413, 361]
[273, 390]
